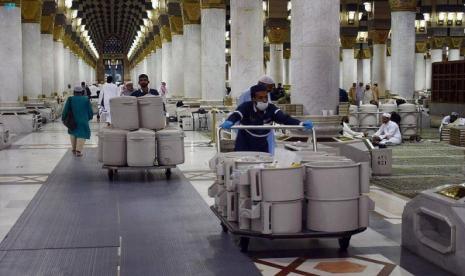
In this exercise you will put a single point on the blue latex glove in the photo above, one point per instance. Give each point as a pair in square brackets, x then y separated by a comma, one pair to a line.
[308, 125]
[227, 125]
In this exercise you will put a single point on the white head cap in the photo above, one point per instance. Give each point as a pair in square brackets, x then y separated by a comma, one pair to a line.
[266, 80]
[387, 115]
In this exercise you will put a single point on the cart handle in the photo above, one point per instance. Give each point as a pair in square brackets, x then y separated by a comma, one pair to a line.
[219, 129]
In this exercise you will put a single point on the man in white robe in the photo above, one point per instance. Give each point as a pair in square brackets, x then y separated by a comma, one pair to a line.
[109, 90]
[388, 133]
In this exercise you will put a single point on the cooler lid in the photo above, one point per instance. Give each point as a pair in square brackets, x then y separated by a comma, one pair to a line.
[141, 133]
[123, 99]
[114, 132]
[170, 133]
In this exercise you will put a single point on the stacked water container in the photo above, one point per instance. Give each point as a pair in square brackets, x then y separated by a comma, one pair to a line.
[408, 121]
[132, 139]
[224, 165]
[387, 108]
[327, 194]
[336, 193]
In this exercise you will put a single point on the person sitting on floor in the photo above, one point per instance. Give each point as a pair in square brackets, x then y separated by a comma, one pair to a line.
[388, 133]
[348, 132]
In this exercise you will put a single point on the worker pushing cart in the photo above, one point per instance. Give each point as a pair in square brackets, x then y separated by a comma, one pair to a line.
[256, 113]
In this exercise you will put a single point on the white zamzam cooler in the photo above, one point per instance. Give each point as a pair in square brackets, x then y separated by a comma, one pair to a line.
[141, 148]
[151, 113]
[124, 113]
[170, 147]
[114, 147]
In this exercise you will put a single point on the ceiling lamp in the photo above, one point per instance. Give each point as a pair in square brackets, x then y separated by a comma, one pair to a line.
[155, 4]
[68, 3]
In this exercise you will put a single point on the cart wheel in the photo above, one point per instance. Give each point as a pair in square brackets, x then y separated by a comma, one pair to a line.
[344, 243]
[168, 173]
[225, 229]
[244, 244]
[111, 174]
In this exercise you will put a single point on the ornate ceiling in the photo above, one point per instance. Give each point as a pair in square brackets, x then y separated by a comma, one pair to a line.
[110, 20]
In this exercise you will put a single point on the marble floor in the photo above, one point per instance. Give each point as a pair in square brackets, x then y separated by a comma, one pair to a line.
[25, 166]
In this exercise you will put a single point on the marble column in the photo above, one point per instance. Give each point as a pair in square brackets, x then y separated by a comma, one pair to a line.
[166, 65]
[349, 63]
[47, 59]
[287, 71]
[454, 54]
[82, 71]
[359, 70]
[420, 65]
[66, 68]
[420, 74]
[429, 71]
[177, 87]
[75, 70]
[315, 42]
[32, 61]
[366, 71]
[276, 63]
[192, 61]
[11, 65]
[158, 57]
[379, 38]
[436, 55]
[246, 44]
[403, 48]
[58, 57]
[213, 45]
[153, 70]
[388, 73]
[341, 75]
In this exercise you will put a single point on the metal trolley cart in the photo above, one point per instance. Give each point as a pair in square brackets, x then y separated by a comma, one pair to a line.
[245, 235]
[113, 170]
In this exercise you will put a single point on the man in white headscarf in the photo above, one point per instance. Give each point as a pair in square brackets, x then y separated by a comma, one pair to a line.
[247, 97]
[388, 133]
[109, 90]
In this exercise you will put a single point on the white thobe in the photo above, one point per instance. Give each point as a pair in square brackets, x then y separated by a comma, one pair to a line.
[348, 132]
[108, 91]
[389, 134]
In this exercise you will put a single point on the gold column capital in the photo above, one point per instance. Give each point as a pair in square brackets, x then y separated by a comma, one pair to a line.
[362, 53]
[47, 24]
[437, 42]
[213, 4]
[277, 35]
[31, 11]
[58, 32]
[348, 42]
[454, 42]
[165, 33]
[421, 47]
[378, 36]
[16, 2]
[176, 25]
[157, 40]
[388, 51]
[190, 11]
[403, 5]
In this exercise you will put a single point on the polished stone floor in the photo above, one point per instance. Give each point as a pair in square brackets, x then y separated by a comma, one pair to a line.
[377, 251]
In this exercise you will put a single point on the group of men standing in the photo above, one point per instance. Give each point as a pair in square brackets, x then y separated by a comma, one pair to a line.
[364, 94]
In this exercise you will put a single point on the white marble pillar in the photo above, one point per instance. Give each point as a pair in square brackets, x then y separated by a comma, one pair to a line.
[192, 69]
[366, 70]
[349, 63]
[82, 71]
[177, 79]
[11, 65]
[76, 81]
[379, 66]
[66, 68]
[403, 53]
[267, 68]
[388, 73]
[32, 62]
[436, 55]
[166, 66]
[287, 71]
[276, 63]
[47, 58]
[159, 64]
[454, 54]
[144, 68]
[359, 70]
[213, 57]
[341, 76]
[429, 71]
[420, 71]
[315, 42]
[58, 57]
[246, 44]
[153, 71]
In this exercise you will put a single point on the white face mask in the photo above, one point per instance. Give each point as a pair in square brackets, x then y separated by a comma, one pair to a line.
[262, 106]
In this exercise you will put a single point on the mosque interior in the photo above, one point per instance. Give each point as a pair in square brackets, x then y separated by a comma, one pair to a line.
[329, 61]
